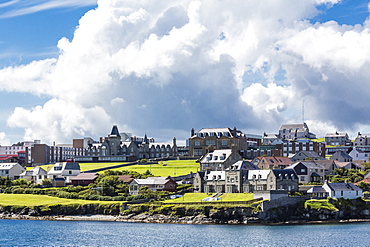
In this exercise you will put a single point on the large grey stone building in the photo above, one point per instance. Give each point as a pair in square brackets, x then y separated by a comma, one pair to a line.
[208, 139]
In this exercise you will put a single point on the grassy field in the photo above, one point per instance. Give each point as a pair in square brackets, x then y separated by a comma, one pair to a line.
[40, 200]
[163, 168]
[166, 168]
[226, 197]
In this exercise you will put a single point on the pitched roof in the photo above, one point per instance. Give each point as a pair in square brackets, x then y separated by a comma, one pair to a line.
[243, 165]
[308, 164]
[115, 131]
[285, 173]
[152, 180]
[308, 154]
[126, 178]
[7, 166]
[316, 189]
[343, 187]
[336, 134]
[300, 127]
[277, 161]
[217, 156]
[86, 176]
[341, 154]
[215, 175]
[34, 172]
[255, 174]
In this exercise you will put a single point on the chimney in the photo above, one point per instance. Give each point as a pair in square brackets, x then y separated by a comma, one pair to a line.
[192, 132]
[234, 132]
[174, 141]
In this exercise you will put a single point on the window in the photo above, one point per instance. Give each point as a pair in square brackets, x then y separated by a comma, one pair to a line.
[303, 170]
[70, 172]
[197, 143]
[224, 142]
[302, 178]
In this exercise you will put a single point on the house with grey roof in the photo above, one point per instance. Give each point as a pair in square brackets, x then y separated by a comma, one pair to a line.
[36, 174]
[362, 140]
[295, 131]
[153, 183]
[308, 171]
[219, 160]
[207, 139]
[237, 174]
[341, 157]
[349, 165]
[306, 155]
[214, 182]
[337, 138]
[11, 170]
[342, 190]
[359, 154]
[62, 172]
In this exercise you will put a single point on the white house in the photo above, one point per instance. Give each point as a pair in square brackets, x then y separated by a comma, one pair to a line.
[63, 170]
[36, 174]
[342, 190]
[11, 170]
[358, 154]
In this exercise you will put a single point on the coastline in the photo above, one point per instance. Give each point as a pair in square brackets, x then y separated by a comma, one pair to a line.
[163, 219]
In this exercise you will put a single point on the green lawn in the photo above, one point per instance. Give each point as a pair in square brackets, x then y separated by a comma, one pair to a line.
[39, 200]
[226, 197]
[320, 204]
[166, 168]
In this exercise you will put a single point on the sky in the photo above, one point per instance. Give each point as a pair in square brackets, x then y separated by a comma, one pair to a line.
[73, 68]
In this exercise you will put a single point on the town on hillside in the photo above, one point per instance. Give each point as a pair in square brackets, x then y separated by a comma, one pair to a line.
[271, 166]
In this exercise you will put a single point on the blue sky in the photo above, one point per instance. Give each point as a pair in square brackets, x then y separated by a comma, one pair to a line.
[31, 30]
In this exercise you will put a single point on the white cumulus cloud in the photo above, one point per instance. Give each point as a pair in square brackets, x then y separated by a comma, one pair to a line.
[182, 64]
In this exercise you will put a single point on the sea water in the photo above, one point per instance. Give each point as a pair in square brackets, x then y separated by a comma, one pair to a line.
[97, 233]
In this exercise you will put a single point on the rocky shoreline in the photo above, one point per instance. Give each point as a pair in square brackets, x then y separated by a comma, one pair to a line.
[165, 219]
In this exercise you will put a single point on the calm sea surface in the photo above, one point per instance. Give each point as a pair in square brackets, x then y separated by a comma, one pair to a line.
[91, 233]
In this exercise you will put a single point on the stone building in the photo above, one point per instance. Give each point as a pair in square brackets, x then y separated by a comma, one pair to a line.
[208, 139]
[113, 148]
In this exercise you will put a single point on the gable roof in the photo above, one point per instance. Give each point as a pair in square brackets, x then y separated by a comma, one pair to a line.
[86, 176]
[217, 175]
[342, 154]
[153, 180]
[285, 173]
[308, 154]
[336, 134]
[125, 178]
[343, 187]
[243, 165]
[7, 166]
[298, 127]
[34, 172]
[276, 160]
[217, 156]
[308, 164]
[256, 173]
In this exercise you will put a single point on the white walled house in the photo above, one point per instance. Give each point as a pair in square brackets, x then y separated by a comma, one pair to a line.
[358, 154]
[342, 190]
[11, 170]
[63, 171]
[36, 174]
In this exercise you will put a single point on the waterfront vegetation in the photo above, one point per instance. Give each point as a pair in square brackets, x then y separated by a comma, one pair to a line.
[320, 204]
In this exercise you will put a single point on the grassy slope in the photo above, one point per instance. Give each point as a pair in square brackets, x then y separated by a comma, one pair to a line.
[226, 197]
[39, 200]
[163, 168]
[166, 168]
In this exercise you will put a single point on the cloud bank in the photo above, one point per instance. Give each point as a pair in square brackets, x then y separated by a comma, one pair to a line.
[162, 68]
